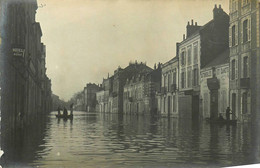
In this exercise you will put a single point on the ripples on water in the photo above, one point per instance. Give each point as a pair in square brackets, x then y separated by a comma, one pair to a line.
[97, 140]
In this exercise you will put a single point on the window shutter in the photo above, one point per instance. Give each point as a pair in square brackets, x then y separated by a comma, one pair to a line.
[236, 71]
[249, 30]
[230, 36]
[241, 37]
[236, 32]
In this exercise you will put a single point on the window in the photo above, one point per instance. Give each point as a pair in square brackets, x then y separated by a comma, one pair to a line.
[245, 31]
[189, 78]
[245, 2]
[233, 35]
[195, 77]
[233, 69]
[183, 59]
[189, 55]
[244, 102]
[245, 67]
[195, 52]
[183, 80]
[234, 5]
[174, 77]
[164, 81]
[169, 82]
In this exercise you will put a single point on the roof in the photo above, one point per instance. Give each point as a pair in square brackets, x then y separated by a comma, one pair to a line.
[222, 58]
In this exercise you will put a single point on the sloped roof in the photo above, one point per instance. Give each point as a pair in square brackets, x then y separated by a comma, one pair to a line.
[220, 59]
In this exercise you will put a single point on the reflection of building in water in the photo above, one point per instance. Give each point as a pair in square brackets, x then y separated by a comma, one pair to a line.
[214, 86]
[244, 43]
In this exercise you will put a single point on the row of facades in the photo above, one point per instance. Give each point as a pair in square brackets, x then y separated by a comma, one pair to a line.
[25, 87]
[216, 66]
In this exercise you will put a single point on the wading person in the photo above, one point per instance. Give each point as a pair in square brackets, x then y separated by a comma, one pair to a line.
[59, 110]
[65, 112]
[71, 109]
[228, 113]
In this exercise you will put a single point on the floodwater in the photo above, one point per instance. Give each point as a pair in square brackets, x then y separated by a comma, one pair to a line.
[98, 140]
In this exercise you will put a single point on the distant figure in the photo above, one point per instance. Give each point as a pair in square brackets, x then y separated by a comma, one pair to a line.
[59, 109]
[65, 112]
[71, 109]
[228, 113]
[221, 117]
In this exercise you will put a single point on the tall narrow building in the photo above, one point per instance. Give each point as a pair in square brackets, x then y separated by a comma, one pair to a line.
[244, 59]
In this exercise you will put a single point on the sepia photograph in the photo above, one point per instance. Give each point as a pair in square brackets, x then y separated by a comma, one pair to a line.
[129, 83]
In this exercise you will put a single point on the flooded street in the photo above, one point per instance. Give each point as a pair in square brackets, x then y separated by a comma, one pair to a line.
[95, 140]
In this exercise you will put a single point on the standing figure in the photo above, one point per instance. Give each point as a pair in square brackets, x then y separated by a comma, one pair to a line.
[228, 113]
[71, 109]
[65, 112]
[59, 110]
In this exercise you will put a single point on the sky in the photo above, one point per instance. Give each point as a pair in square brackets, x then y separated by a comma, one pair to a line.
[87, 39]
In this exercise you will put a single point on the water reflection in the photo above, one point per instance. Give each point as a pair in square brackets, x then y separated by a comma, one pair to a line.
[98, 140]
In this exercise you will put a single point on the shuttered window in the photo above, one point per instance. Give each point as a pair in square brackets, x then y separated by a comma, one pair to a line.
[233, 69]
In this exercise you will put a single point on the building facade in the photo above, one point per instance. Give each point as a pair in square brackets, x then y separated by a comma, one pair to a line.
[168, 96]
[104, 96]
[214, 87]
[119, 81]
[140, 92]
[244, 59]
[201, 45]
[89, 97]
[26, 89]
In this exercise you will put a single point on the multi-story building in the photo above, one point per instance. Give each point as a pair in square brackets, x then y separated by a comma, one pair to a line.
[104, 96]
[244, 42]
[120, 77]
[214, 87]
[168, 96]
[201, 45]
[139, 92]
[26, 90]
[89, 97]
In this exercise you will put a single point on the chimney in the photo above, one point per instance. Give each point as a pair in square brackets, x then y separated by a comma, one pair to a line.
[190, 29]
[177, 49]
[218, 12]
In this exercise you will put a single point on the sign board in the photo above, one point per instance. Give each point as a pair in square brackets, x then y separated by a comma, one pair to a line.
[18, 52]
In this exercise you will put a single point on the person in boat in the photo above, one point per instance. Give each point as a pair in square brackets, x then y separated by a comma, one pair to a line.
[221, 117]
[65, 112]
[59, 109]
[71, 109]
[228, 112]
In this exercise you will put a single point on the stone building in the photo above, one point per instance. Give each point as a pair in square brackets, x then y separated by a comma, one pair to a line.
[214, 87]
[168, 96]
[120, 77]
[140, 90]
[104, 96]
[244, 42]
[26, 89]
[89, 97]
[201, 45]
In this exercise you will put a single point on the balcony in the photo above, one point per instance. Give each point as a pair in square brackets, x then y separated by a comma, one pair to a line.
[245, 83]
